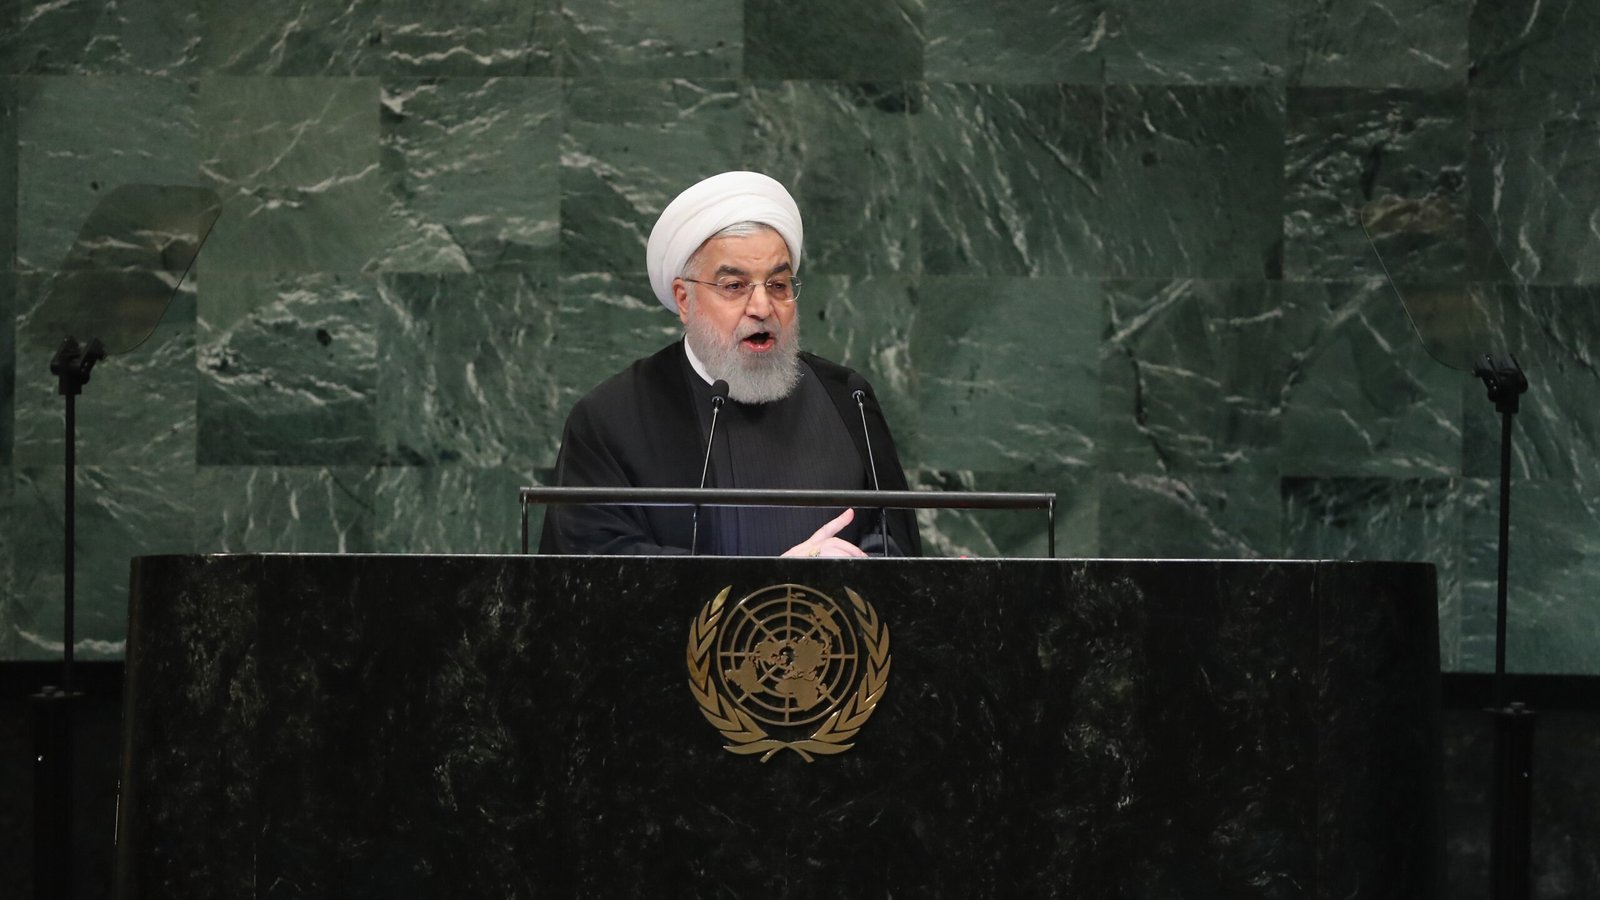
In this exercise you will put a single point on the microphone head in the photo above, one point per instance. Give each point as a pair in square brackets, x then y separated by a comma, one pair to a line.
[857, 386]
[719, 392]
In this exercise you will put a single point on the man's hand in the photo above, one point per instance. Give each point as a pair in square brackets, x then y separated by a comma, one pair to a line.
[823, 543]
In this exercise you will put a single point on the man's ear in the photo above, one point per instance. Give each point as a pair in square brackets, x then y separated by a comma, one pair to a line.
[680, 293]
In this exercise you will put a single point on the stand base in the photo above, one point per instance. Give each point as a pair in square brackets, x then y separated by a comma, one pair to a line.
[1511, 859]
[52, 793]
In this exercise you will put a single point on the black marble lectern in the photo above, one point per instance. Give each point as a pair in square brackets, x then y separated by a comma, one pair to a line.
[428, 726]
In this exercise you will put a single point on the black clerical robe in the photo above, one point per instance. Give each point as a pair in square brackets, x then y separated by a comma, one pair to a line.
[643, 427]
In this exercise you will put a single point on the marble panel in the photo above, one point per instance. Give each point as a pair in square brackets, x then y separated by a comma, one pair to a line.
[604, 323]
[1401, 152]
[122, 511]
[8, 365]
[10, 24]
[12, 528]
[296, 163]
[866, 324]
[1194, 376]
[481, 38]
[844, 151]
[1480, 559]
[473, 174]
[31, 605]
[1537, 182]
[298, 37]
[1364, 397]
[8, 276]
[640, 39]
[1535, 44]
[1554, 332]
[1189, 42]
[67, 159]
[986, 41]
[1193, 182]
[464, 369]
[285, 509]
[1552, 622]
[1191, 516]
[1008, 381]
[996, 169]
[288, 370]
[844, 40]
[9, 223]
[987, 534]
[629, 148]
[1011, 179]
[1416, 520]
[87, 37]
[138, 407]
[452, 509]
[1369, 43]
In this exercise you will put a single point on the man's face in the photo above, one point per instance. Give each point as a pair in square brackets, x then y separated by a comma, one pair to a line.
[753, 343]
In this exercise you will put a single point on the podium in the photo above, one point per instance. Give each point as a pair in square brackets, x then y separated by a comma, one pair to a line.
[513, 726]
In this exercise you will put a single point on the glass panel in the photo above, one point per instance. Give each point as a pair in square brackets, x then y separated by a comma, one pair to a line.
[127, 263]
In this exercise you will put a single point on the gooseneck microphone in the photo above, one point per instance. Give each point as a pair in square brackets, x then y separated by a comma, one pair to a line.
[719, 396]
[858, 390]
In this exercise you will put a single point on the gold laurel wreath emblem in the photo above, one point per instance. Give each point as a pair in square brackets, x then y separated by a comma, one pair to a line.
[747, 736]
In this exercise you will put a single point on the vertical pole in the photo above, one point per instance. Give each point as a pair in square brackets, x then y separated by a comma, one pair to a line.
[1504, 563]
[70, 641]
[69, 557]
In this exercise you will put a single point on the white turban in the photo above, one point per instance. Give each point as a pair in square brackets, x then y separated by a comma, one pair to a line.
[707, 208]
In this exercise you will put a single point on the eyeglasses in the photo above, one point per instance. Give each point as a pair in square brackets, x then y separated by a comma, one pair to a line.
[737, 290]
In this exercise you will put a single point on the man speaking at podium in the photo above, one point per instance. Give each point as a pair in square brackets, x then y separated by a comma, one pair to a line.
[725, 257]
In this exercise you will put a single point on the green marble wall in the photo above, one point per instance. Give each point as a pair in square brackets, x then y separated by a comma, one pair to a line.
[1100, 247]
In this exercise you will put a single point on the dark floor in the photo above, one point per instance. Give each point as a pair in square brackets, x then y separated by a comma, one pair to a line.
[1566, 844]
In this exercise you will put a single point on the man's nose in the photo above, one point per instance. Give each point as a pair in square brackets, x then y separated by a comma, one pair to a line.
[758, 305]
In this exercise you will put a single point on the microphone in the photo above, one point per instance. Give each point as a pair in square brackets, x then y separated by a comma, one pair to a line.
[858, 391]
[719, 396]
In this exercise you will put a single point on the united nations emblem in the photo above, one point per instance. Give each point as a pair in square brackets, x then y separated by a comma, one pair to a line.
[787, 660]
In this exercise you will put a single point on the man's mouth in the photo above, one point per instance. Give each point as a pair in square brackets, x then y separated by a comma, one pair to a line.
[760, 342]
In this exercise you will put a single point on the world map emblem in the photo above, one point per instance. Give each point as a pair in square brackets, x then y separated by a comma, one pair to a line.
[788, 667]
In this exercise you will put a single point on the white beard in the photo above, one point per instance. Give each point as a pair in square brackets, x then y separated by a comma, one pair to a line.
[751, 378]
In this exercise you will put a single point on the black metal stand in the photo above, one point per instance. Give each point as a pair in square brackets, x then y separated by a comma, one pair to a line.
[1511, 841]
[52, 707]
